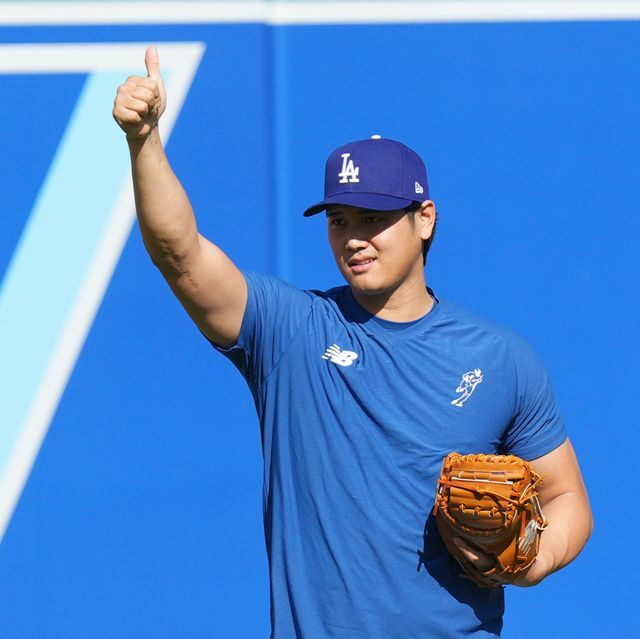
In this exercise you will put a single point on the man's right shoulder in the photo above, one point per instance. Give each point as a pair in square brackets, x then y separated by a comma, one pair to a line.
[274, 285]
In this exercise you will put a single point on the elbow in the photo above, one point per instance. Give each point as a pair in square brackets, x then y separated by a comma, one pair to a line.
[588, 513]
[170, 250]
[587, 525]
[162, 261]
[165, 265]
[591, 524]
[168, 260]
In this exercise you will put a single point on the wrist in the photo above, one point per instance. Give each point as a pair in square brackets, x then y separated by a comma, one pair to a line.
[137, 142]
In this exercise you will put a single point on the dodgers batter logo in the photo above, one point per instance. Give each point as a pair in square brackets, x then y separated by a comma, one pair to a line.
[467, 385]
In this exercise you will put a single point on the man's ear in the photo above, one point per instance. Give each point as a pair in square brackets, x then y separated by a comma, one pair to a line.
[427, 218]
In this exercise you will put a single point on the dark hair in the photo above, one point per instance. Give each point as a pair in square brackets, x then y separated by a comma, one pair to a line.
[426, 244]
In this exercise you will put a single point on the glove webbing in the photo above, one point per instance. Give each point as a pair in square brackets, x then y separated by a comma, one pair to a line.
[487, 491]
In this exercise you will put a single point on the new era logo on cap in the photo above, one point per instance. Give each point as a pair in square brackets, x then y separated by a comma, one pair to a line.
[377, 173]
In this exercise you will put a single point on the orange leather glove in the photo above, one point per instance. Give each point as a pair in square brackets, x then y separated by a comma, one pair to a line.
[491, 503]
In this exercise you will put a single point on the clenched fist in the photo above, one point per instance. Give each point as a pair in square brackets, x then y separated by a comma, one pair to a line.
[141, 101]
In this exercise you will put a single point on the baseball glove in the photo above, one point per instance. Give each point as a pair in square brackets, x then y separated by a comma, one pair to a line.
[490, 502]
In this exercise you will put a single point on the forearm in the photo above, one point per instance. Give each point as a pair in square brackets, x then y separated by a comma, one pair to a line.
[569, 529]
[165, 216]
[570, 525]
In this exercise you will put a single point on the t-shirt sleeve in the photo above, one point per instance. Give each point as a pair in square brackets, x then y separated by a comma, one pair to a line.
[537, 427]
[275, 312]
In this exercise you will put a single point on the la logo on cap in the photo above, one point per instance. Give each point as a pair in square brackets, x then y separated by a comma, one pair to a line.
[349, 171]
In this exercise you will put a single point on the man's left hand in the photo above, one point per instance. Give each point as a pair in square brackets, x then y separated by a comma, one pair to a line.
[483, 561]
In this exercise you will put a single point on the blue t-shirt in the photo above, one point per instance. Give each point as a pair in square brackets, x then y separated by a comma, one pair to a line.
[356, 415]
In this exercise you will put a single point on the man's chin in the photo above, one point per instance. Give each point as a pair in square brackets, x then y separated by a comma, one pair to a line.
[365, 285]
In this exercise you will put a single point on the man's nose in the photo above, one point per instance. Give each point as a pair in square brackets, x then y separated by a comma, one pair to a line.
[357, 243]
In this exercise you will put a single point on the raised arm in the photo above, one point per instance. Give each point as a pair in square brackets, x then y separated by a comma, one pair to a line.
[203, 278]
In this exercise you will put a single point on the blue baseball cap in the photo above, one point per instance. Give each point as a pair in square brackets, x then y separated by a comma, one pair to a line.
[377, 174]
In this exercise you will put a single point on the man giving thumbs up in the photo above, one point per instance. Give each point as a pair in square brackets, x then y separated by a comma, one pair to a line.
[355, 388]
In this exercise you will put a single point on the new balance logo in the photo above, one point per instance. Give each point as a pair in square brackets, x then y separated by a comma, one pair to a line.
[419, 188]
[339, 357]
[349, 171]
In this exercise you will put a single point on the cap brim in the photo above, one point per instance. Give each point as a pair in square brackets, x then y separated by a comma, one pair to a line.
[372, 201]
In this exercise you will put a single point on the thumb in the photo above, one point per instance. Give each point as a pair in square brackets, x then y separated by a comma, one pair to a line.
[152, 62]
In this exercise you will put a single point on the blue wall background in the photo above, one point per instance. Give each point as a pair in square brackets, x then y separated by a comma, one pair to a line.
[142, 515]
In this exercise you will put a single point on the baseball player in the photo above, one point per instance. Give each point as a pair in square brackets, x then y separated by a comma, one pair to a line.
[361, 391]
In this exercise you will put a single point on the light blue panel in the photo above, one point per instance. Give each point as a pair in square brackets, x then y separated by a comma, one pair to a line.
[57, 245]
[29, 144]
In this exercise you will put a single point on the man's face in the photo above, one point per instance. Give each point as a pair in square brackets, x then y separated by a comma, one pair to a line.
[376, 251]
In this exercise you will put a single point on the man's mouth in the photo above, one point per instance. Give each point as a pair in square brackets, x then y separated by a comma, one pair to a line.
[360, 265]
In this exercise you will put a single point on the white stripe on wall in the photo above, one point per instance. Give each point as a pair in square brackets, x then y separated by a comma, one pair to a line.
[332, 12]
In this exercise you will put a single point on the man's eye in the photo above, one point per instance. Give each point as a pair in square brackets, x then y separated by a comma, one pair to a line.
[372, 219]
[336, 221]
